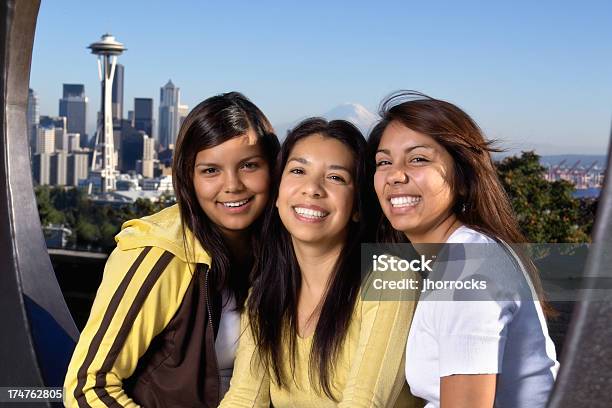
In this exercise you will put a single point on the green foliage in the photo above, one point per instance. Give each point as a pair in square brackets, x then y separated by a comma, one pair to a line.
[48, 213]
[92, 225]
[86, 232]
[546, 211]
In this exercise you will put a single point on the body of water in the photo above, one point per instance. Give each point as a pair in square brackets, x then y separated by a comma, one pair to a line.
[587, 192]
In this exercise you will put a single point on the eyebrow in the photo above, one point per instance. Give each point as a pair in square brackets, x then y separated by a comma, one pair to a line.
[208, 164]
[407, 150]
[305, 161]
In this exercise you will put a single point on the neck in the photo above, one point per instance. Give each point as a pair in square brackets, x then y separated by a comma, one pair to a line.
[238, 243]
[316, 263]
[438, 234]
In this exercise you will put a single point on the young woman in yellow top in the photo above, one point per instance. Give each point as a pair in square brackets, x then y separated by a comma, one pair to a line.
[163, 327]
[310, 339]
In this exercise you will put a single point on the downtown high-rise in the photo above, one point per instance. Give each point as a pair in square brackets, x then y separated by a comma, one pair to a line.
[143, 115]
[73, 106]
[169, 102]
[33, 118]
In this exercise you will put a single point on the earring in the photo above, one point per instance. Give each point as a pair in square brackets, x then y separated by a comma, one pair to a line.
[463, 208]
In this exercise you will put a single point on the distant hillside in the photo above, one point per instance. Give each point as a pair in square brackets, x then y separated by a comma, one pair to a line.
[570, 159]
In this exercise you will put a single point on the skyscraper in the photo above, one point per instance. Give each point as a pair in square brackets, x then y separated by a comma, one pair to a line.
[183, 111]
[145, 165]
[45, 140]
[169, 101]
[77, 168]
[117, 98]
[143, 115]
[41, 167]
[58, 167]
[33, 118]
[131, 148]
[57, 125]
[73, 106]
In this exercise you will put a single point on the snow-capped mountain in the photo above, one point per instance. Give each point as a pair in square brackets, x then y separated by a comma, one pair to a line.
[353, 112]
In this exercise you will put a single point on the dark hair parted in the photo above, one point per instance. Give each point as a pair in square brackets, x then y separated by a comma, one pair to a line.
[212, 122]
[272, 306]
[480, 199]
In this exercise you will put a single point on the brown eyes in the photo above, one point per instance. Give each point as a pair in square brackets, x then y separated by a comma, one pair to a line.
[334, 177]
[418, 160]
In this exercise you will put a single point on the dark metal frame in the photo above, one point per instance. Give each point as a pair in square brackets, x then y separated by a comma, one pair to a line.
[38, 333]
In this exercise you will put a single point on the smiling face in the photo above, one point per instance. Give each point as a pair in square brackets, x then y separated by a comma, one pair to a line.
[231, 182]
[316, 193]
[412, 182]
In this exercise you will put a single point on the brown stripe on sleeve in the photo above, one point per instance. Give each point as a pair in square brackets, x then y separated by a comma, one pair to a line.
[125, 328]
[106, 320]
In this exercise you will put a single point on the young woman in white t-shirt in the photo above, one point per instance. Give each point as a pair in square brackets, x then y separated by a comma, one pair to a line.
[436, 183]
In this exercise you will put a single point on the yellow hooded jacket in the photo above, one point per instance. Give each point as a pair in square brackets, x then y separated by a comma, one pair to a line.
[149, 339]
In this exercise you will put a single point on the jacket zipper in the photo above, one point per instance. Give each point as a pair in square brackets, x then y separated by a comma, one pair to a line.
[210, 322]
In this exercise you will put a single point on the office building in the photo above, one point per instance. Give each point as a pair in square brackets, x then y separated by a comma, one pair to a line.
[130, 117]
[131, 149]
[145, 165]
[143, 115]
[183, 111]
[58, 168]
[41, 167]
[168, 114]
[117, 98]
[33, 118]
[58, 123]
[73, 106]
[77, 167]
[45, 141]
[74, 142]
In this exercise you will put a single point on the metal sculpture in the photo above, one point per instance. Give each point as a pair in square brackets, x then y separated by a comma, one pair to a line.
[38, 334]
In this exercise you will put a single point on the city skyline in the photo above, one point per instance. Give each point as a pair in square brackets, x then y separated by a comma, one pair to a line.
[534, 74]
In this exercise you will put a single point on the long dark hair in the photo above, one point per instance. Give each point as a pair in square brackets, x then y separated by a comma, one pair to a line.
[272, 306]
[212, 122]
[481, 202]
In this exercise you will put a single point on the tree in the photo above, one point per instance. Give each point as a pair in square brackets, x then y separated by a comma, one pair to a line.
[46, 209]
[546, 211]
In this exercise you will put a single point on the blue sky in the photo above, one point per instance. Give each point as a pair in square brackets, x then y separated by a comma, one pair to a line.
[530, 73]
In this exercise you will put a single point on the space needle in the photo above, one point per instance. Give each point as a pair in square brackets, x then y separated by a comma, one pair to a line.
[107, 50]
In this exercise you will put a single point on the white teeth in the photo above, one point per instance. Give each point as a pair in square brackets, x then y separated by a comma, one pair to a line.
[405, 201]
[236, 203]
[307, 212]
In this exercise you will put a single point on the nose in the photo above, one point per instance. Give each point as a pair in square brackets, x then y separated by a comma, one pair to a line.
[233, 182]
[397, 176]
[312, 188]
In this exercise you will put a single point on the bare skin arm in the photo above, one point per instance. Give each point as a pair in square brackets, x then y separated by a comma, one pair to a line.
[468, 391]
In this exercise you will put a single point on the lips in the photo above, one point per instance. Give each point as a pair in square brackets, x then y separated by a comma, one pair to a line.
[307, 212]
[310, 212]
[400, 201]
[235, 204]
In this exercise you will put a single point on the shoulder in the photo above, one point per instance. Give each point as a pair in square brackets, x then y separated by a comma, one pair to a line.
[152, 265]
[467, 235]
[163, 230]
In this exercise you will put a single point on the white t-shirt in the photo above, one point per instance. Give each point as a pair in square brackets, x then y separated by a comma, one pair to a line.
[508, 337]
[226, 342]
[228, 333]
